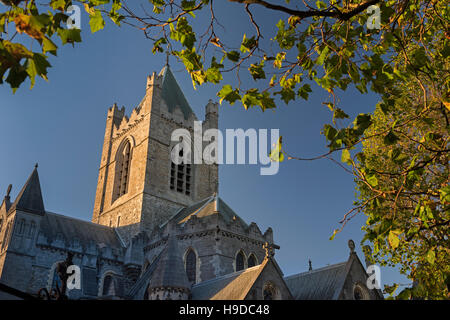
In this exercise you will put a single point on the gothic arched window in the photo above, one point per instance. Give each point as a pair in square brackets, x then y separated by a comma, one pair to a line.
[106, 284]
[123, 162]
[180, 176]
[240, 261]
[251, 261]
[360, 292]
[191, 266]
[270, 292]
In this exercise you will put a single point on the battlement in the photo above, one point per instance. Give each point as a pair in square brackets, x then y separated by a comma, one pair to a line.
[155, 79]
[114, 111]
[212, 108]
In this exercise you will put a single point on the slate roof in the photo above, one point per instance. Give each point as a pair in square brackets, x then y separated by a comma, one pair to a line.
[169, 272]
[207, 207]
[233, 286]
[70, 228]
[172, 94]
[319, 284]
[29, 198]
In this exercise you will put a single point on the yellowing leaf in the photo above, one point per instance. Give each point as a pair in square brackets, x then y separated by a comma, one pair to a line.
[393, 239]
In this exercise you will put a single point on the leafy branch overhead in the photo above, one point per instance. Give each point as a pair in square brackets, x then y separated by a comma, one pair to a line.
[402, 167]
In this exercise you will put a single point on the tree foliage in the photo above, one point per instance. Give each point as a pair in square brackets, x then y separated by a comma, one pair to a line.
[402, 172]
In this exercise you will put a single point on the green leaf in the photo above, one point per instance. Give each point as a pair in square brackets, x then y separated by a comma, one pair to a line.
[37, 66]
[393, 238]
[287, 94]
[304, 91]
[16, 75]
[96, 21]
[257, 71]
[69, 35]
[321, 4]
[339, 114]
[362, 122]
[248, 43]
[188, 5]
[58, 4]
[48, 46]
[233, 56]
[372, 180]
[227, 93]
[329, 132]
[276, 155]
[431, 256]
[445, 195]
[346, 158]
[213, 75]
[323, 55]
[390, 138]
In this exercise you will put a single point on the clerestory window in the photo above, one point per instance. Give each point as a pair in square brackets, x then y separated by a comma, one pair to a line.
[191, 266]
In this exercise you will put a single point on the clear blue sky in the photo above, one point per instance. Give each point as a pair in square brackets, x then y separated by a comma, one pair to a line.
[60, 124]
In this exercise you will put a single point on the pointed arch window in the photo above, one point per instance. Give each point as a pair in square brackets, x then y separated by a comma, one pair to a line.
[252, 261]
[191, 266]
[107, 281]
[270, 292]
[240, 261]
[123, 164]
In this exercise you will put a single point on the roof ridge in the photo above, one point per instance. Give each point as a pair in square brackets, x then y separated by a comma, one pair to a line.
[226, 276]
[317, 270]
[81, 220]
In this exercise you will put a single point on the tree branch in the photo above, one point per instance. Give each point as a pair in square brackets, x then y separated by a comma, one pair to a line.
[313, 13]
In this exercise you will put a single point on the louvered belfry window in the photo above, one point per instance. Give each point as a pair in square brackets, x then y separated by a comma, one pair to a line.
[180, 176]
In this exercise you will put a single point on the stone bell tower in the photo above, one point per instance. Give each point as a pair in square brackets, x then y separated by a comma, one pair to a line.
[139, 187]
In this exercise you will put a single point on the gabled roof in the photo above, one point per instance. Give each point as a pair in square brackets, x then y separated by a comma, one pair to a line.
[213, 205]
[172, 94]
[233, 286]
[70, 228]
[319, 284]
[29, 198]
[169, 272]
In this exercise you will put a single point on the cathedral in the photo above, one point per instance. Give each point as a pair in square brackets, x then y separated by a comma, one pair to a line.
[159, 230]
